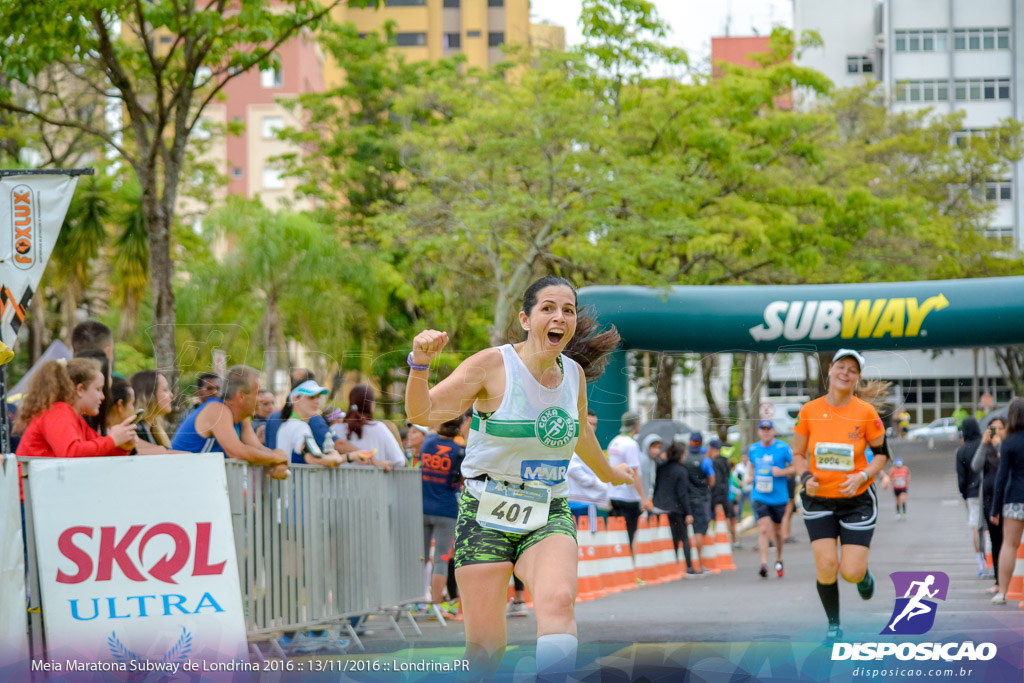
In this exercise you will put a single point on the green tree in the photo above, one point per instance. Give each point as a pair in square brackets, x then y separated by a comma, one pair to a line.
[513, 167]
[117, 48]
[302, 284]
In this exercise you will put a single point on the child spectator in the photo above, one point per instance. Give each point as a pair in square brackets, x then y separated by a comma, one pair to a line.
[60, 393]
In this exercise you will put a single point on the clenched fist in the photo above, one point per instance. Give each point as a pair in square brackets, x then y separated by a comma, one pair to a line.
[427, 345]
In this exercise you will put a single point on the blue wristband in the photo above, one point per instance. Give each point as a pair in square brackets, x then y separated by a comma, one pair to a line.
[412, 364]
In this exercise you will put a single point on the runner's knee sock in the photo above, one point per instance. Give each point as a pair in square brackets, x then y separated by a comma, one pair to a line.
[556, 656]
[829, 594]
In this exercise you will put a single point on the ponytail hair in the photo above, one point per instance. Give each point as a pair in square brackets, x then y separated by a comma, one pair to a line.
[873, 391]
[286, 412]
[56, 380]
[360, 409]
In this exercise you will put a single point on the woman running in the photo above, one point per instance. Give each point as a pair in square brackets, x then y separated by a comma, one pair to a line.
[513, 514]
[839, 500]
[900, 477]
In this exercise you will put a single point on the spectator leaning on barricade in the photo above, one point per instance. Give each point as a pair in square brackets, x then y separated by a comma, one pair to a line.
[153, 395]
[223, 425]
[60, 393]
[265, 406]
[672, 494]
[367, 434]
[969, 483]
[441, 464]
[93, 339]
[273, 422]
[295, 435]
[122, 405]
[986, 461]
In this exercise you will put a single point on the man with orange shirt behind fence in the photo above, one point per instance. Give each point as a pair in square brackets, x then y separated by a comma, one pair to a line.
[839, 501]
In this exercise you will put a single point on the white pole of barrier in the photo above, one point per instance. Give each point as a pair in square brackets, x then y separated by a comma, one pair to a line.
[13, 616]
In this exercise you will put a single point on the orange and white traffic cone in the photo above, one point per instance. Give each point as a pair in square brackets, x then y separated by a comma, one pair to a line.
[645, 562]
[588, 569]
[709, 553]
[622, 571]
[1015, 591]
[722, 544]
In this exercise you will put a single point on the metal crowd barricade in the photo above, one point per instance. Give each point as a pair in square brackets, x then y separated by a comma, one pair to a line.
[325, 544]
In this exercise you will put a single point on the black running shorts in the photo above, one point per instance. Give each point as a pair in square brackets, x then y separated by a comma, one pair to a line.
[851, 520]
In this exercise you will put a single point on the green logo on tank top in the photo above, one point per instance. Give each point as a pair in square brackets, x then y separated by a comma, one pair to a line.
[555, 427]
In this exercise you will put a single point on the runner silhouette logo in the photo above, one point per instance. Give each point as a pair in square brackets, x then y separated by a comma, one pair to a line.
[914, 612]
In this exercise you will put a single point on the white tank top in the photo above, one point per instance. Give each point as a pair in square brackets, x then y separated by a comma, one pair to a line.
[530, 438]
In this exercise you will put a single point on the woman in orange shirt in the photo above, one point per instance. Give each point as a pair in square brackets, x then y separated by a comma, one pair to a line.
[839, 501]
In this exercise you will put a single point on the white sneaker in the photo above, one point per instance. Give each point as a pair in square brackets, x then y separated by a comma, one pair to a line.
[999, 599]
[517, 609]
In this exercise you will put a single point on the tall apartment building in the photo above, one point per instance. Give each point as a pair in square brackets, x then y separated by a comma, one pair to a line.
[426, 29]
[949, 55]
[434, 29]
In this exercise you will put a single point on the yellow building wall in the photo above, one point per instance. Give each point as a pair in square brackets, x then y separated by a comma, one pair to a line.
[430, 19]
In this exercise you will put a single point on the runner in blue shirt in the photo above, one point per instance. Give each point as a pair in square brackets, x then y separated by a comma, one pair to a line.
[772, 461]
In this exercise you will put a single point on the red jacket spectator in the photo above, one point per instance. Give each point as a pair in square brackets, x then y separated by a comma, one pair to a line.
[60, 393]
[60, 432]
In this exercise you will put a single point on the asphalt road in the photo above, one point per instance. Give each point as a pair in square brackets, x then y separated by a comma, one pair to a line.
[740, 608]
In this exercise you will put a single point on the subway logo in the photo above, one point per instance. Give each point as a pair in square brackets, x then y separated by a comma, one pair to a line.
[849, 319]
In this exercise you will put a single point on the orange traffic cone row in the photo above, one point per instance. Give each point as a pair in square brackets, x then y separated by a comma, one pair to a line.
[1015, 591]
[722, 544]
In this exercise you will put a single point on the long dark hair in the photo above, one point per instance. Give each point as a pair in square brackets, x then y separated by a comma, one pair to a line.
[589, 346]
[1015, 416]
[360, 409]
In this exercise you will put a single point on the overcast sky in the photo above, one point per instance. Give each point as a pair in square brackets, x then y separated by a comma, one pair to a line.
[692, 22]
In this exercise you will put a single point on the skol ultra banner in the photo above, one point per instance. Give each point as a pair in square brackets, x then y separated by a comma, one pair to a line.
[32, 209]
[137, 564]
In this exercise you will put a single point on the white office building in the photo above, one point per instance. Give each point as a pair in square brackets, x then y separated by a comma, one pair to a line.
[949, 55]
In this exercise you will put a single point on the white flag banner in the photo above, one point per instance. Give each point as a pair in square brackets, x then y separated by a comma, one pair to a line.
[137, 565]
[32, 209]
[13, 616]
